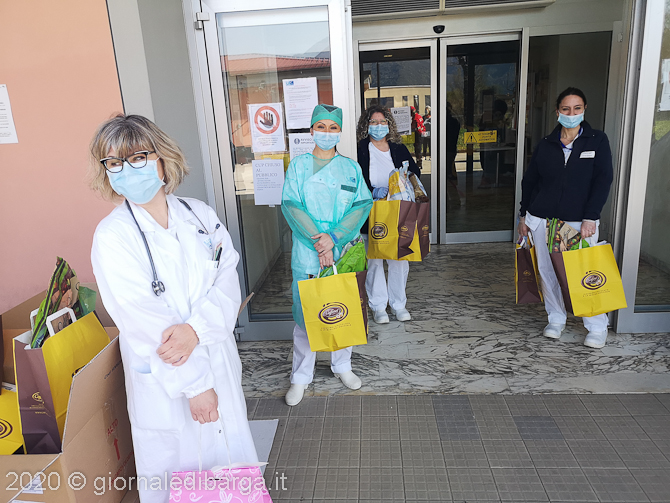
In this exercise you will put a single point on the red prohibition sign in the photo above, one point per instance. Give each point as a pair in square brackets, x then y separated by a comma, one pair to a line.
[257, 118]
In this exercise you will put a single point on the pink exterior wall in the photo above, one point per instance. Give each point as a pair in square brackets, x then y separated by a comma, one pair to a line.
[57, 60]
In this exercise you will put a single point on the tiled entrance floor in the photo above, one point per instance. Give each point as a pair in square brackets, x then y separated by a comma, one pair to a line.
[467, 335]
[470, 448]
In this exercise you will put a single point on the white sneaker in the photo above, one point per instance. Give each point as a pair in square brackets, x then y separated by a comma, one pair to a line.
[350, 380]
[402, 314]
[596, 339]
[380, 317]
[553, 330]
[295, 394]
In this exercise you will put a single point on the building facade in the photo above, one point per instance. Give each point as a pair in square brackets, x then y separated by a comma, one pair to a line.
[488, 69]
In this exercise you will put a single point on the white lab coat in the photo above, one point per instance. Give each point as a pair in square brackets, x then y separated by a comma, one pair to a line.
[165, 437]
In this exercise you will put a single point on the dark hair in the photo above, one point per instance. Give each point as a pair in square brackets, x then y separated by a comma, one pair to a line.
[570, 91]
[500, 106]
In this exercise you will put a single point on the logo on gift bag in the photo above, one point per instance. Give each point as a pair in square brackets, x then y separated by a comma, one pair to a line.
[379, 230]
[333, 312]
[594, 280]
[5, 429]
[527, 273]
[37, 397]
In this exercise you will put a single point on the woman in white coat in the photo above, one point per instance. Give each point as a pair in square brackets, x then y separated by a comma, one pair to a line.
[166, 270]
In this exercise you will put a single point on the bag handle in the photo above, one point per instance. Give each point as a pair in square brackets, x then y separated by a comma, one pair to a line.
[225, 438]
[33, 315]
[58, 314]
[531, 241]
[321, 270]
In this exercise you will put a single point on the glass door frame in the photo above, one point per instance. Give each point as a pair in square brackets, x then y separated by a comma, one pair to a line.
[217, 125]
[445, 42]
[435, 110]
[642, 117]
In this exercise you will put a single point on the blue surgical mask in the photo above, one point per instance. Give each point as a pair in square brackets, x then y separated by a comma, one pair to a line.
[570, 121]
[378, 131]
[138, 185]
[326, 141]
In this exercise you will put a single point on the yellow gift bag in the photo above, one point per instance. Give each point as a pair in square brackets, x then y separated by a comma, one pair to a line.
[392, 229]
[11, 439]
[399, 231]
[593, 279]
[44, 375]
[332, 310]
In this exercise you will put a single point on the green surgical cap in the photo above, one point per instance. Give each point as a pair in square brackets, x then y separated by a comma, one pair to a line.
[327, 112]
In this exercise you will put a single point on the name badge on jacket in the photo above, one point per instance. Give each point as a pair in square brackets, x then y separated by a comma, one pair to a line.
[588, 154]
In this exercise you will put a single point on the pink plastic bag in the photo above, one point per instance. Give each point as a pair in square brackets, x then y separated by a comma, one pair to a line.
[230, 484]
[224, 485]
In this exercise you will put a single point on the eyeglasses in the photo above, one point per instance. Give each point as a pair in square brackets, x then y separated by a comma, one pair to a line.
[379, 123]
[137, 160]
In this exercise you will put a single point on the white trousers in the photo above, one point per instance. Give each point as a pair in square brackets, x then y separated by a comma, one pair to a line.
[551, 290]
[304, 359]
[379, 292]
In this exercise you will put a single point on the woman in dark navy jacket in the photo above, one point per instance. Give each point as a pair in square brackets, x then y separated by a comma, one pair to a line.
[380, 150]
[568, 178]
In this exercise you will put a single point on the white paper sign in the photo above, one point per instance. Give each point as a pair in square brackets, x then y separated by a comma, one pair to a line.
[300, 143]
[664, 105]
[7, 128]
[268, 181]
[267, 128]
[403, 119]
[300, 97]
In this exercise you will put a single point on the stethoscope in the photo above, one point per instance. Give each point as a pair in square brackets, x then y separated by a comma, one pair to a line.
[157, 285]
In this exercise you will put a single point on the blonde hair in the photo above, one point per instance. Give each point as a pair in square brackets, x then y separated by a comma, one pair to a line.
[125, 135]
[363, 123]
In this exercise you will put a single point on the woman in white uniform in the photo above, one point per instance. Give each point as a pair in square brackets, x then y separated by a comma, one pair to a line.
[380, 151]
[166, 270]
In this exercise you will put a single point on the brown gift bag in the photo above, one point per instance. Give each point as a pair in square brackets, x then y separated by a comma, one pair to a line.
[360, 279]
[420, 245]
[559, 269]
[526, 275]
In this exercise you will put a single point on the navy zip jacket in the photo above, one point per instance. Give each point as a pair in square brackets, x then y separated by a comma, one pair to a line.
[572, 191]
[399, 153]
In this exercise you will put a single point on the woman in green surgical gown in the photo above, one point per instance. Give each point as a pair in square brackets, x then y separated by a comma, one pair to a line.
[325, 202]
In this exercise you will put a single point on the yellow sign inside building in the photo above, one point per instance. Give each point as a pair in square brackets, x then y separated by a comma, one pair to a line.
[481, 136]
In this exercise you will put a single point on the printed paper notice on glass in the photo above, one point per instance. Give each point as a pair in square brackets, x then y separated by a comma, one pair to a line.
[300, 97]
[267, 128]
[300, 143]
[664, 105]
[268, 181]
[7, 128]
[403, 119]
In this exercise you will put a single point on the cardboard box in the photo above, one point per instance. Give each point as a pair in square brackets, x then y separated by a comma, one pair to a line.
[96, 462]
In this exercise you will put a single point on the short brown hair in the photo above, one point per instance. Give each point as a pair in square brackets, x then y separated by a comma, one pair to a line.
[125, 135]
